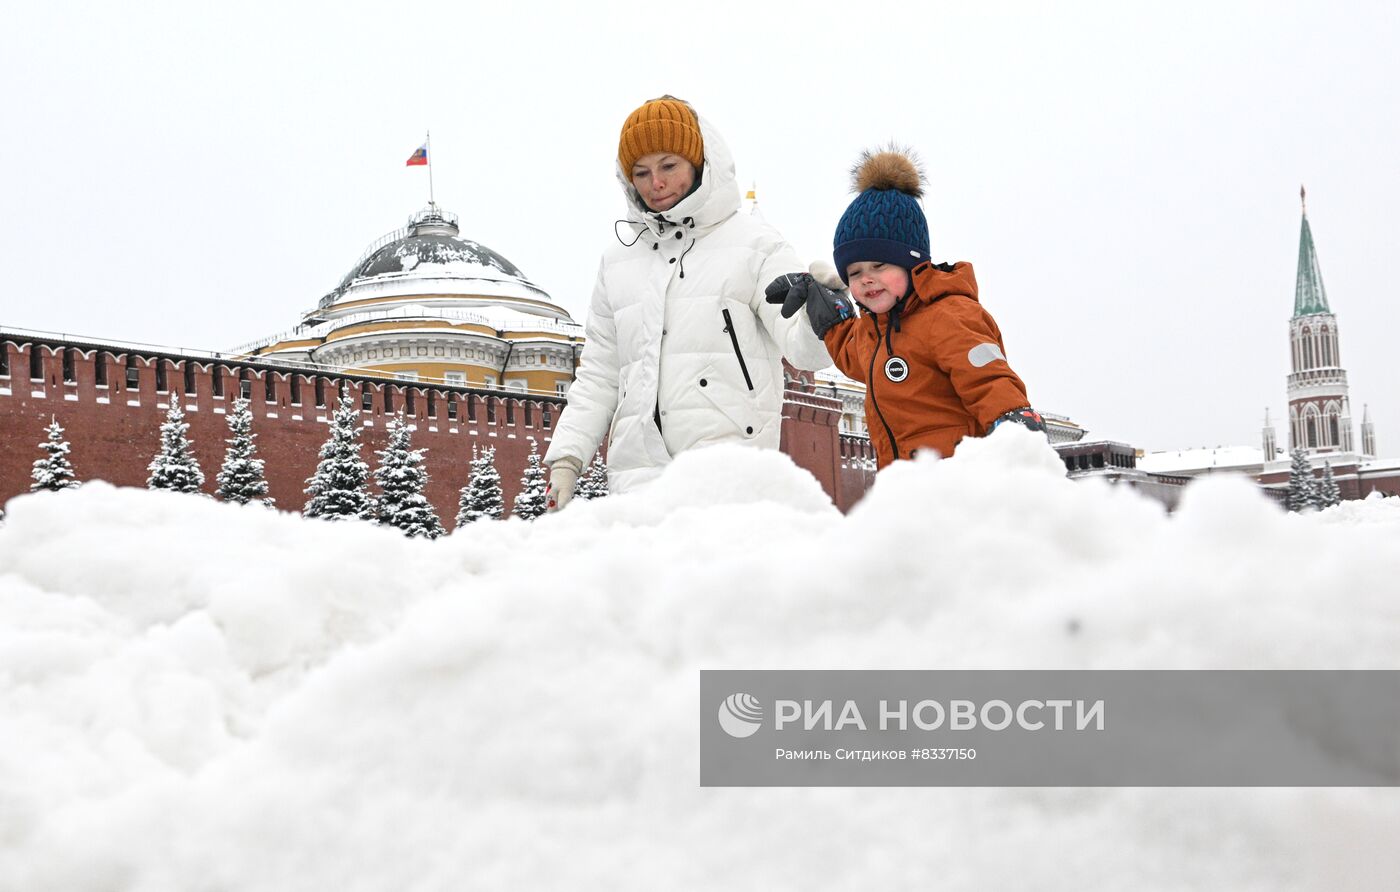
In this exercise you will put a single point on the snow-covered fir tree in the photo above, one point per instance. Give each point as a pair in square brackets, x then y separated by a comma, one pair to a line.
[241, 477]
[54, 471]
[174, 466]
[594, 483]
[482, 497]
[402, 478]
[1328, 493]
[530, 501]
[1302, 488]
[338, 488]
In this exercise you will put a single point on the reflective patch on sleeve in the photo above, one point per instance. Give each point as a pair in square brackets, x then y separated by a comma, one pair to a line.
[984, 353]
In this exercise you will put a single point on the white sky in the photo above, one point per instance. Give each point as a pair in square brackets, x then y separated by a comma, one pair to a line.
[1124, 178]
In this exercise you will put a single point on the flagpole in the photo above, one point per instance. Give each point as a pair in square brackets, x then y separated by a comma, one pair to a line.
[431, 199]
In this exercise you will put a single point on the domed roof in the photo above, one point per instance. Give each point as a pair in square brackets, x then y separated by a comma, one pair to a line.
[431, 247]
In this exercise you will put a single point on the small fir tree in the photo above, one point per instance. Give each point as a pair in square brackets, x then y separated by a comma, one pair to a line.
[402, 478]
[1328, 493]
[530, 501]
[241, 477]
[594, 483]
[482, 497]
[54, 471]
[338, 488]
[174, 466]
[1302, 489]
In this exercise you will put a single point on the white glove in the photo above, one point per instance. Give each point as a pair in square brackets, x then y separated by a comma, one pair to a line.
[563, 476]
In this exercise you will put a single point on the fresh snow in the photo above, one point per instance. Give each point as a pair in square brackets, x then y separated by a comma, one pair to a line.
[287, 704]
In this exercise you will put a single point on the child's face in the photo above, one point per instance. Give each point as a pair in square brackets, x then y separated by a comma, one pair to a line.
[877, 286]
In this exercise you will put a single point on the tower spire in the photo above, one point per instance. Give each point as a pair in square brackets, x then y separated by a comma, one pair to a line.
[1310, 297]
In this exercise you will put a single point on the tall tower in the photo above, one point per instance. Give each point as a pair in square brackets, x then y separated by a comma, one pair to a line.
[1319, 410]
[1368, 433]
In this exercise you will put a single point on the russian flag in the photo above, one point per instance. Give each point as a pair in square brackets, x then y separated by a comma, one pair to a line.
[420, 156]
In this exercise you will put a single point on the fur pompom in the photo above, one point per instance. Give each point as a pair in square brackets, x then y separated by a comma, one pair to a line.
[888, 168]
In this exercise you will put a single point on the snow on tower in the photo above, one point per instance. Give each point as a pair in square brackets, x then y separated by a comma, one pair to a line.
[1270, 443]
[1319, 410]
[1368, 433]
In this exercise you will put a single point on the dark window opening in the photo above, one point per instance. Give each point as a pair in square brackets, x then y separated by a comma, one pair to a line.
[99, 369]
[218, 380]
[36, 364]
[1312, 432]
[510, 411]
[389, 398]
[546, 417]
[189, 377]
[133, 377]
[161, 382]
[69, 376]
[471, 407]
[295, 384]
[340, 388]
[1098, 460]
[410, 405]
[270, 388]
[366, 400]
[529, 414]
[4, 360]
[1069, 463]
[1336, 433]
[432, 404]
[320, 393]
[452, 409]
[490, 410]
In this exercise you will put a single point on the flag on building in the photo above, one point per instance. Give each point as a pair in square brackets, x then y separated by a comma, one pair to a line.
[420, 156]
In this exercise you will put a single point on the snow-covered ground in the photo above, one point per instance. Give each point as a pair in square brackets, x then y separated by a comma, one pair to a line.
[200, 696]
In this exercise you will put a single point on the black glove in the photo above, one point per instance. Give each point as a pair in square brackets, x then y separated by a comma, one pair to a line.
[825, 307]
[1024, 416]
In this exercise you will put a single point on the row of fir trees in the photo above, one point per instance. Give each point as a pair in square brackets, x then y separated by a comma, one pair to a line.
[1306, 492]
[339, 488]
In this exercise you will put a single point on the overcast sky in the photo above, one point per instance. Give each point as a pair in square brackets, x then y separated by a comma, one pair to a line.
[1124, 178]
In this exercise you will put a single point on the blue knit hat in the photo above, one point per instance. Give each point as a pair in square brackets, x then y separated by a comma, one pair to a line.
[885, 222]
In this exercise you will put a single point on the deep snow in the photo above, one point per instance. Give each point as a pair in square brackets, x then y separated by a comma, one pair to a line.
[196, 695]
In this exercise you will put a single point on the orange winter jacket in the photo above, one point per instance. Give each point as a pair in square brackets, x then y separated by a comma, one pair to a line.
[934, 370]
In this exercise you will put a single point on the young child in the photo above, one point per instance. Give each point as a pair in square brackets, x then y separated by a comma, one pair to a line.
[930, 357]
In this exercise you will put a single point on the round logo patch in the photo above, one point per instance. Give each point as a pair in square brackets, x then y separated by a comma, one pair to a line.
[896, 369]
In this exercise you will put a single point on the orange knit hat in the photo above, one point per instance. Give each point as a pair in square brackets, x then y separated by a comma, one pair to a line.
[661, 125]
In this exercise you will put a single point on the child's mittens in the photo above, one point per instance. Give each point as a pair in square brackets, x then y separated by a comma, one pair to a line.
[825, 307]
[1025, 416]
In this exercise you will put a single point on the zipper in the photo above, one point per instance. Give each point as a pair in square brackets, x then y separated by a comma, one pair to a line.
[870, 377]
[734, 339]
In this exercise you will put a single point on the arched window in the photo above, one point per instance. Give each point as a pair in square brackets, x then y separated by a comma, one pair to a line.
[1308, 353]
[1335, 430]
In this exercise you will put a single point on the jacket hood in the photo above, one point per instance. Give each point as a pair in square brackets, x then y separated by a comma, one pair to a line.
[714, 201]
[933, 282]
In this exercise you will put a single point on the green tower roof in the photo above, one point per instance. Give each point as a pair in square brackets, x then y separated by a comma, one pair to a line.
[1311, 296]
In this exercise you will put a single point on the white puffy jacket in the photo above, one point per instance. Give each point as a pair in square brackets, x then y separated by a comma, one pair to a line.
[679, 332]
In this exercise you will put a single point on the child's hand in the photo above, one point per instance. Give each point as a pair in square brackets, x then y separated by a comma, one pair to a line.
[825, 307]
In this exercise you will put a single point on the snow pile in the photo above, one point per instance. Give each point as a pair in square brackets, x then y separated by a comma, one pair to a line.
[196, 695]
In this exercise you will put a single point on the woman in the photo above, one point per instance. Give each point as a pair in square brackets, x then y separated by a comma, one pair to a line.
[682, 348]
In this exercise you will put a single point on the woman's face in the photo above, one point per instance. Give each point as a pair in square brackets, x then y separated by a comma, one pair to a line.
[877, 286]
[662, 179]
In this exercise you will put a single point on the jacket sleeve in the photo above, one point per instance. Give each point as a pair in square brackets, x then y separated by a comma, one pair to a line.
[593, 395]
[794, 337]
[967, 346]
[843, 345]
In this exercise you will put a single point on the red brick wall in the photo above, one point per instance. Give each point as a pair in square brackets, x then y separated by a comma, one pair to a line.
[114, 440]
